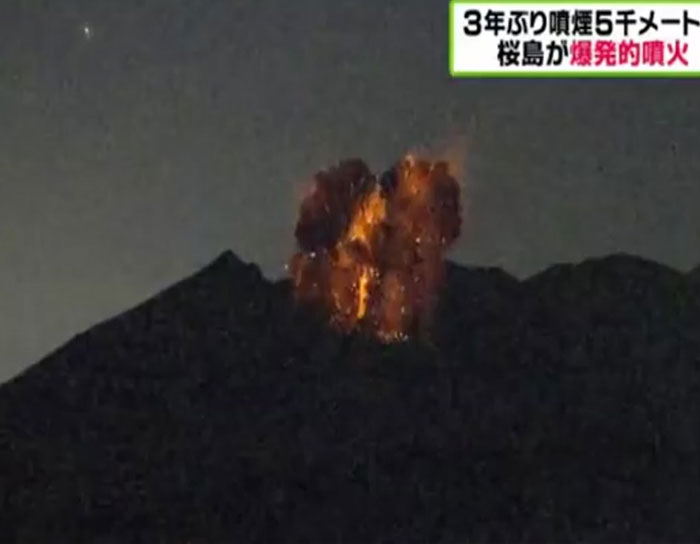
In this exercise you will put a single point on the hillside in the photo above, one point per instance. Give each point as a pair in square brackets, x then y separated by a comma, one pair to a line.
[560, 408]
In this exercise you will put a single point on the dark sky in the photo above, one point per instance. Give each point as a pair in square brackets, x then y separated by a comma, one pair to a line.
[139, 139]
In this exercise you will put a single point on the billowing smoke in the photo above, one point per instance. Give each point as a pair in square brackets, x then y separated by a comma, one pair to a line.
[370, 249]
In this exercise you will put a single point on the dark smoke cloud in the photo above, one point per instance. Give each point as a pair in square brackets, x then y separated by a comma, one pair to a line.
[326, 213]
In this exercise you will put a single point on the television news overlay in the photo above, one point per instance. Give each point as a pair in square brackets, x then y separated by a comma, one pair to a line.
[574, 39]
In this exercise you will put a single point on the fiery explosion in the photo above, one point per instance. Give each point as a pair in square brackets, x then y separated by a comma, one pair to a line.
[370, 250]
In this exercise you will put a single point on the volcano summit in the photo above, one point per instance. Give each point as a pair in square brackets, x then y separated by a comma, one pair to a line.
[564, 407]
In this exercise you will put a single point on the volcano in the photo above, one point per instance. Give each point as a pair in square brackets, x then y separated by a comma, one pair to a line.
[563, 407]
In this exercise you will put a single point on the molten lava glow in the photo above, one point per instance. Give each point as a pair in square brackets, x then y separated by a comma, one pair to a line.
[371, 249]
[369, 214]
[362, 293]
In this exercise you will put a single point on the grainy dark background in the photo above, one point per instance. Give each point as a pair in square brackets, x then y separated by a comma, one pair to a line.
[138, 139]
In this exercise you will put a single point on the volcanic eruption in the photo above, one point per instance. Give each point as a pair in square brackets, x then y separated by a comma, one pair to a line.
[370, 249]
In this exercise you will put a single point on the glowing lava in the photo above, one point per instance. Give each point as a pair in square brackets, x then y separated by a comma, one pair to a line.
[362, 293]
[371, 249]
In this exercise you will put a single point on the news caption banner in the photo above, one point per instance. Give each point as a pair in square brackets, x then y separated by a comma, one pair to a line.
[574, 39]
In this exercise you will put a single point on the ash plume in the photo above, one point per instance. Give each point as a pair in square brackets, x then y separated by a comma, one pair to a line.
[371, 248]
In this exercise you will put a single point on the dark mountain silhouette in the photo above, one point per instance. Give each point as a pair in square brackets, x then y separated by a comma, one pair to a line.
[695, 274]
[564, 407]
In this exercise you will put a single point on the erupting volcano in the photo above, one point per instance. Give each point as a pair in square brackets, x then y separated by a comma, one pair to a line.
[370, 249]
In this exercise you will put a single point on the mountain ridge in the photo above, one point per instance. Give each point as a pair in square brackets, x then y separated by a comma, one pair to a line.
[563, 408]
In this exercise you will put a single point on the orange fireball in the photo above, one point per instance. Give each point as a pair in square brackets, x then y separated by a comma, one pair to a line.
[371, 249]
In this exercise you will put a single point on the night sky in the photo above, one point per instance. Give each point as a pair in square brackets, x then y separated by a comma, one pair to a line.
[139, 139]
